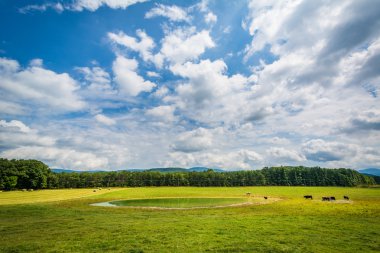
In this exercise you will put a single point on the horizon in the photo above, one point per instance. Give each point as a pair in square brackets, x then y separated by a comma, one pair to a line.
[107, 85]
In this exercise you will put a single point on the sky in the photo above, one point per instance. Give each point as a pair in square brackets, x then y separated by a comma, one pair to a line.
[118, 84]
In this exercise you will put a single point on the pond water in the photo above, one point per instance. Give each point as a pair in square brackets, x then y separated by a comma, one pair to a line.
[175, 202]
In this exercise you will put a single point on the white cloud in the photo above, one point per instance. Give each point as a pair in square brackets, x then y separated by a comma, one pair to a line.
[12, 108]
[284, 155]
[15, 124]
[178, 46]
[161, 92]
[105, 120]
[144, 46]
[241, 159]
[315, 100]
[80, 5]
[42, 88]
[163, 113]
[211, 18]
[58, 7]
[130, 83]
[16, 134]
[210, 96]
[322, 151]
[97, 83]
[36, 63]
[182, 45]
[173, 13]
[57, 157]
[93, 5]
[193, 141]
[153, 74]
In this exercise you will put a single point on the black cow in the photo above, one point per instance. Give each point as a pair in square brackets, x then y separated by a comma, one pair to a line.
[346, 197]
[325, 198]
[265, 197]
[332, 198]
[308, 197]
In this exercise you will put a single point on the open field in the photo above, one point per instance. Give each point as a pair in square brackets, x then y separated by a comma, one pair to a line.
[17, 197]
[66, 222]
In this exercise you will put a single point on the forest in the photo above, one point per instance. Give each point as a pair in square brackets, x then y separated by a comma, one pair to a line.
[33, 174]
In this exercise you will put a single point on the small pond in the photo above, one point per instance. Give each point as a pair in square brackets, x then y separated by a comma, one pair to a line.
[176, 202]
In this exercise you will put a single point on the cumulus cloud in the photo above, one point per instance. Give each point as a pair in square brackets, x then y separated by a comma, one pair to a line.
[97, 83]
[105, 120]
[12, 108]
[129, 82]
[80, 5]
[173, 13]
[315, 87]
[57, 157]
[43, 88]
[58, 7]
[178, 45]
[161, 92]
[322, 151]
[211, 18]
[367, 121]
[285, 155]
[193, 141]
[241, 159]
[143, 46]
[162, 113]
[14, 134]
[153, 74]
[181, 45]
[211, 96]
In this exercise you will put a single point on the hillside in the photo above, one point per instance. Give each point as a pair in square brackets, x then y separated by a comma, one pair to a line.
[370, 171]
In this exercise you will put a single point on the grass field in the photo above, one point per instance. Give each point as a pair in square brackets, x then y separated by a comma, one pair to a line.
[64, 221]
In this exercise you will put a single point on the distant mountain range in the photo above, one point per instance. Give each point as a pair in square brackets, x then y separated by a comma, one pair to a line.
[163, 170]
[370, 171]
[193, 169]
[72, 171]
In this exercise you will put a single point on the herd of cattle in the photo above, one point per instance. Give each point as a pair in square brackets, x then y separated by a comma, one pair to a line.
[326, 198]
[331, 198]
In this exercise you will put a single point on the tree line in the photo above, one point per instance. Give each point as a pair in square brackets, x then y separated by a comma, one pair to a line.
[33, 174]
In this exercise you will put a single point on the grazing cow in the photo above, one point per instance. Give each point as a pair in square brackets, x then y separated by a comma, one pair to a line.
[332, 198]
[248, 194]
[346, 197]
[325, 198]
[265, 197]
[308, 197]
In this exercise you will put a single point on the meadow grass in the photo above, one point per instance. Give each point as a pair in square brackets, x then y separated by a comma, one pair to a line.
[23, 197]
[292, 224]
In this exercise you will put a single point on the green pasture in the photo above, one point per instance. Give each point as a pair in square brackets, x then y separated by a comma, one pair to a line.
[64, 221]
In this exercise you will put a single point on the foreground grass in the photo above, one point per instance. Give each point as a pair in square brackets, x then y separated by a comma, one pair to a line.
[290, 225]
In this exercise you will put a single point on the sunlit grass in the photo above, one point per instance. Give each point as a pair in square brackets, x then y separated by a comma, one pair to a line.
[292, 224]
[23, 197]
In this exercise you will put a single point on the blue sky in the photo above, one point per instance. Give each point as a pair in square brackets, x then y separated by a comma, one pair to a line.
[108, 84]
